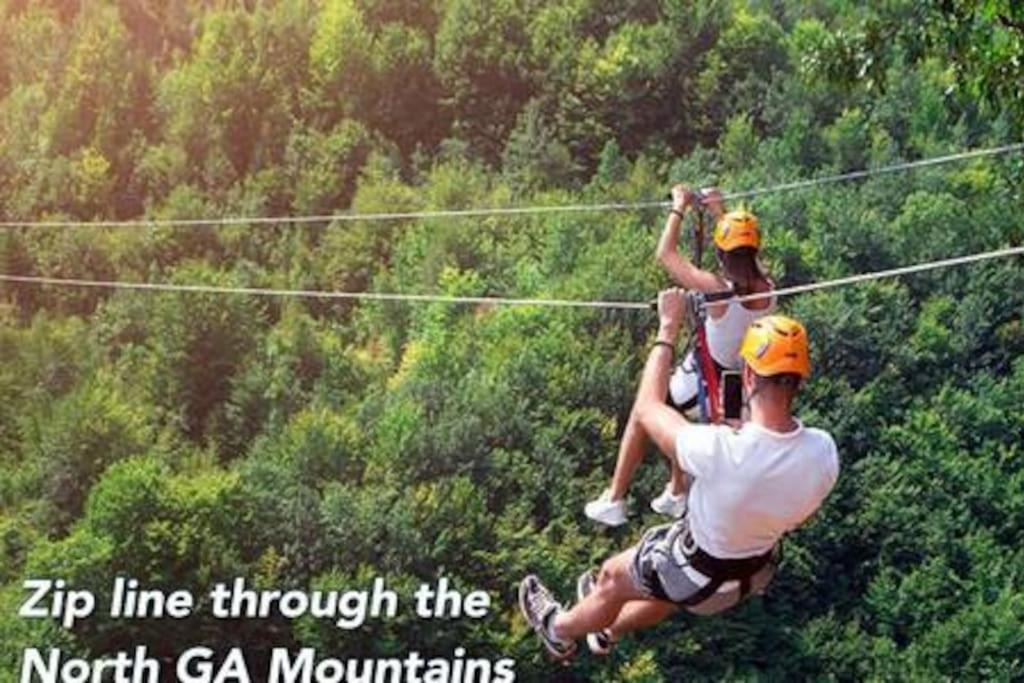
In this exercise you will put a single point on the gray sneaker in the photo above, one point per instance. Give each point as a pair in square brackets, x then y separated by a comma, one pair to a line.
[585, 584]
[540, 610]
[600, 643]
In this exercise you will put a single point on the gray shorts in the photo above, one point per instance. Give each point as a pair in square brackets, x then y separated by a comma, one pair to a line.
[660, 568]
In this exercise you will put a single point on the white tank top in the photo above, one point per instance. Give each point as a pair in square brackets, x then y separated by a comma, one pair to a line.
[725, 335]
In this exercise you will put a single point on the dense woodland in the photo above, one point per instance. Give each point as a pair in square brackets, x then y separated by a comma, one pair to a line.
[183, 439]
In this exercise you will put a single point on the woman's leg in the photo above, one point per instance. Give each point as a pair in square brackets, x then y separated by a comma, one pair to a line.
[635, 442]
[682, 392]
[632, 449]
[680, 482]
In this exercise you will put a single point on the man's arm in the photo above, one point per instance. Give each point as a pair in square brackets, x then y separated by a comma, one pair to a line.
[661, 422]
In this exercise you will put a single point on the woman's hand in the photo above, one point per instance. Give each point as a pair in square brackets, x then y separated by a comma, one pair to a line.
[711, 198]
[683, 197]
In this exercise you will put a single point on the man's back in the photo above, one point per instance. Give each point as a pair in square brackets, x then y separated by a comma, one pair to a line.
[752, 485]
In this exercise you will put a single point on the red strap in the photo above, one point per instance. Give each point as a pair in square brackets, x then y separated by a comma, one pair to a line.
[710, 376]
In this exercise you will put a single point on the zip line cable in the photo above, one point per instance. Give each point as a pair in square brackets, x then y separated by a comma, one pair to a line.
[317, 294]
[514, 211]
[884, 274]
[500, 301]
[881, 170]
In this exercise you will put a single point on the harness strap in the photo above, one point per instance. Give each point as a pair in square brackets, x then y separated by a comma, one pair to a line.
[702, 402]
[728, 569]
[700, 343]
[708, 396]
[698, 239]
[709, 589]
[709, 377]
[719, 570]
[709, 366]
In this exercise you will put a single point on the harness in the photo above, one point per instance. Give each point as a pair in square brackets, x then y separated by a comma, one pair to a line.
[718, 570]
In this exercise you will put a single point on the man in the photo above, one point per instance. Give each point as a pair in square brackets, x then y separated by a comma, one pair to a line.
[750, 486]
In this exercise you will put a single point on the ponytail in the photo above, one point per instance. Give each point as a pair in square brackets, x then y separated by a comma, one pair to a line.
[741, 267]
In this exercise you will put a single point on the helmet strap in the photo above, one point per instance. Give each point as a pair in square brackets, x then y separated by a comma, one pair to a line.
[748, 398]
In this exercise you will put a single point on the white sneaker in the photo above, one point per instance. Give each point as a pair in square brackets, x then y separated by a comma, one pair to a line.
[606, 511]
[669, 504]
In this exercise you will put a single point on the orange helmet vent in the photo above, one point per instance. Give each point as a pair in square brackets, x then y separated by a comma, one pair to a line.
[775, 345]
[737, 229]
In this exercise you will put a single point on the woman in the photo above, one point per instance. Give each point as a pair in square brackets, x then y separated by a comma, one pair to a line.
[737, 240]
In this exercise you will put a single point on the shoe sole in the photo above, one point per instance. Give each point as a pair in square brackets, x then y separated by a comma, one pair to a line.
[595, 646]
[524, 590]
[670, 515]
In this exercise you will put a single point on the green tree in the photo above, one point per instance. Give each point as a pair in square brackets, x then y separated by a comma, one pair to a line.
[478, 62]
[198, 344]
[87, 432]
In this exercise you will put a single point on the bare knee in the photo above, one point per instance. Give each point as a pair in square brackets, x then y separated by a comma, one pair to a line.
[635, 430]
[614, 577]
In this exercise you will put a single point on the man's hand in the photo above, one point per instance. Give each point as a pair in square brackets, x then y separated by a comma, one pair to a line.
[660, 422]
[711, 198]
[682, 197]
[672, 311]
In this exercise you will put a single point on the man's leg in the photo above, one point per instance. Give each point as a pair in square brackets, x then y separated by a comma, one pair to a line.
[640, 614]
[614, 588]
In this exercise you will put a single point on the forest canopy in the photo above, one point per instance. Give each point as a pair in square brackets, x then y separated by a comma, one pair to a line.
[186, 438]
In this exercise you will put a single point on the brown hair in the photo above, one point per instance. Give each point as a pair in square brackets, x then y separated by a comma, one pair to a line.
[741, 267]
[787, 385]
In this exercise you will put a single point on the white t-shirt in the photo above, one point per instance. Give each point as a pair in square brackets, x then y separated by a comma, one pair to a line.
[752, 485]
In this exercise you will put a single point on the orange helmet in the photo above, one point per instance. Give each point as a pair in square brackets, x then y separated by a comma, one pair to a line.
[774, 345]
[737, 229]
